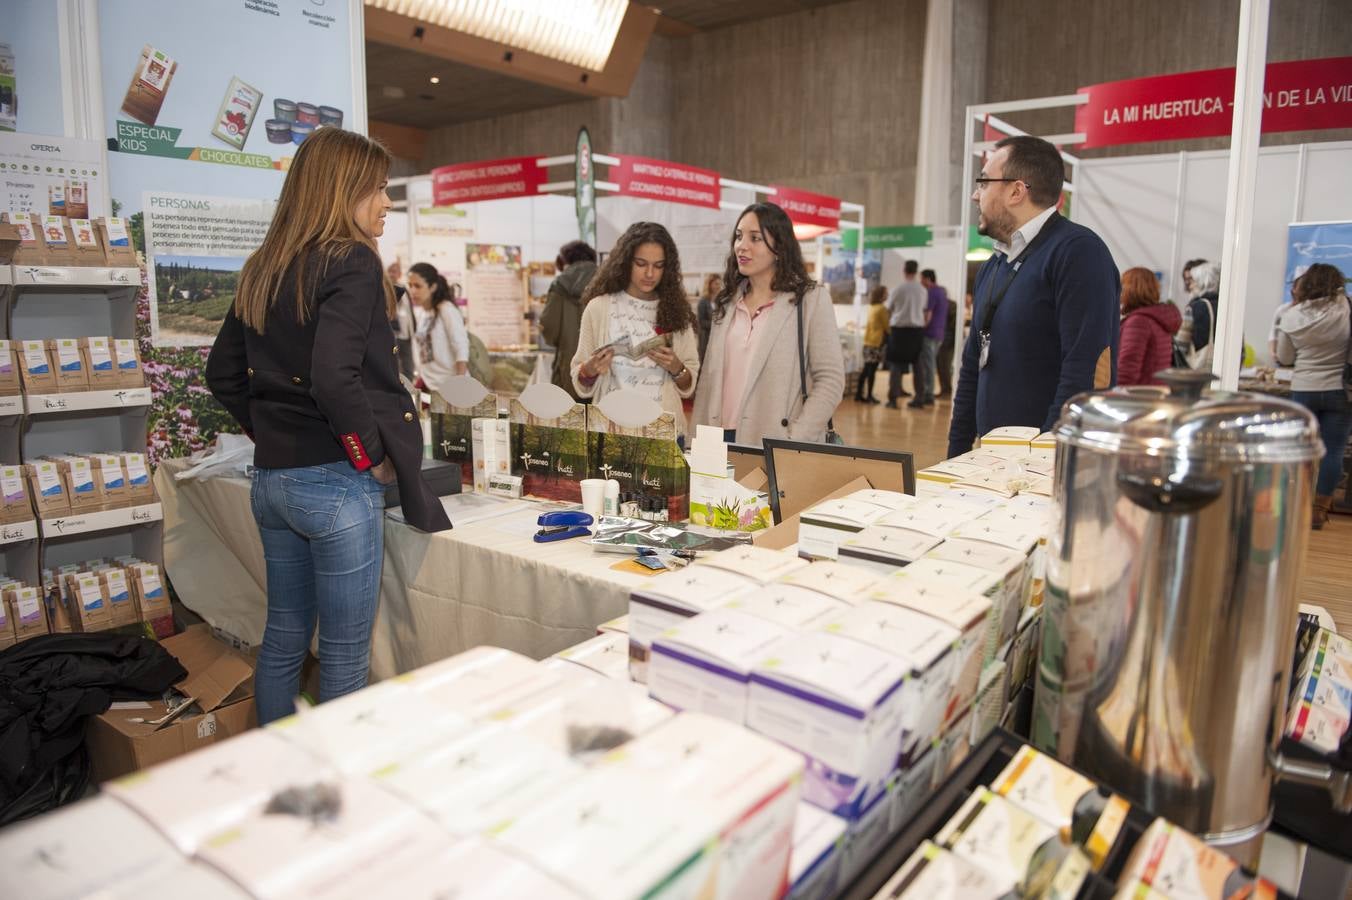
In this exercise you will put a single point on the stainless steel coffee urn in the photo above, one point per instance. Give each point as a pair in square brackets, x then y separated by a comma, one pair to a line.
[1171, 607]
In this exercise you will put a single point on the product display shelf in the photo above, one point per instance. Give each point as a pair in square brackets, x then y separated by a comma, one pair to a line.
[18, 532]
[18, 541]
[981, 767]
[65, 278]
[129, 530]
[81, 523]
[64, 302]
[86, 296]
[21, 556]
[82, 401]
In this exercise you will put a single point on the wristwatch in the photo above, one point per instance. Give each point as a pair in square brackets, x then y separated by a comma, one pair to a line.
[677, 376]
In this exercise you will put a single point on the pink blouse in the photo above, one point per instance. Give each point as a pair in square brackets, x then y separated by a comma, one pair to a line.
[743, 335]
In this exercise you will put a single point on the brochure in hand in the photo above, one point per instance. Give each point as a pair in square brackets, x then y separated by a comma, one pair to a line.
[627, 348]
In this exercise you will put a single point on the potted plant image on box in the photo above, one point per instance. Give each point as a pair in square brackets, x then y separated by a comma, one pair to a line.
[630, 439]
[549, 443]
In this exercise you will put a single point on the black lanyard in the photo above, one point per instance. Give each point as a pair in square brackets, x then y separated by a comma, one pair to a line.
[993, 303]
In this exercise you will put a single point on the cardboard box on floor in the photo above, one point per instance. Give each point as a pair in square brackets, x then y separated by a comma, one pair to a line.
[220, 680]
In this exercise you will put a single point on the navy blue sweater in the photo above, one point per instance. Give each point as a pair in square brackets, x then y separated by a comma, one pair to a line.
[1048, 336]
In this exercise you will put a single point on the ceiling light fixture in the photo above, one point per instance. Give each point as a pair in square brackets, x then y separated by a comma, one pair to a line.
[435, 79]
[578, 32]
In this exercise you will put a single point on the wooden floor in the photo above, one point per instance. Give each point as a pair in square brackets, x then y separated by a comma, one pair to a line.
[1327, 579]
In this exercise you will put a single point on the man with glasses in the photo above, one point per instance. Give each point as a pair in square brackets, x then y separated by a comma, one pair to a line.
[1045, 324]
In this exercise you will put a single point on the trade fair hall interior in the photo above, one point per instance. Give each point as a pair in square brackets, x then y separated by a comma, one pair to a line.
[623, 449]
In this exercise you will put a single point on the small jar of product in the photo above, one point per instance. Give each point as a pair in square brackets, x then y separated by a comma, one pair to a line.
[300, 131]
[285, 110]
[307, 113]
[279, 131]
[331, 115]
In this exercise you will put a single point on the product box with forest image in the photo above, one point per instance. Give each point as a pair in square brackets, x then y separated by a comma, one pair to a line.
[630, 439]
[460, 401]
[549, 443]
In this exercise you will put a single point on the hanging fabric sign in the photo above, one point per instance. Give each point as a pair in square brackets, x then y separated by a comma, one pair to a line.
[1303, 95]
[657, 179]
[491, 179]
[584, 188]
[807, 208]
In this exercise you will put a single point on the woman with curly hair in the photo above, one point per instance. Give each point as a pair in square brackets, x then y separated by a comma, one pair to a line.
[636, 296]
[1314, 334]
[773, 367]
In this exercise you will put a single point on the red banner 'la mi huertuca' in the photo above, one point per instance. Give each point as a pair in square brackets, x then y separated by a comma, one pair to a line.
[1303, 95]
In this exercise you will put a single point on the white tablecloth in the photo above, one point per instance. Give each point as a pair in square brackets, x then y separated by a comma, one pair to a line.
[484, 582]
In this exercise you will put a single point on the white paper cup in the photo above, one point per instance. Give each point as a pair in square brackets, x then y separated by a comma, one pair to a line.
[593, 496]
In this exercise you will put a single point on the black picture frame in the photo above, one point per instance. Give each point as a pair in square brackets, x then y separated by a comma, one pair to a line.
[845, 458]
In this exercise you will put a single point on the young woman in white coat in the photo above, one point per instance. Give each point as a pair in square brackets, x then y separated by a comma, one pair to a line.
[753, 385]
[443, 342]
[637, 294]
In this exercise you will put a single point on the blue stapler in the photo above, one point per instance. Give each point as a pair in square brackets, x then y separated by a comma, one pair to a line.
[560, 526]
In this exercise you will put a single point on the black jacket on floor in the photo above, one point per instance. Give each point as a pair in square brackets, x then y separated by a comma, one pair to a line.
[49, 687]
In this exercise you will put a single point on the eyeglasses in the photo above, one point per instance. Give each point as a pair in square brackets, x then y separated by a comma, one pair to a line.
[982, 182]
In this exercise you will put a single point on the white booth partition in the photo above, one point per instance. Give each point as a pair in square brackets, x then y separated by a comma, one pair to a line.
[1160, 211]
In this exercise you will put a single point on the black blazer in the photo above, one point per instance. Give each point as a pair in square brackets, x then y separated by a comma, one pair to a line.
[328, 389]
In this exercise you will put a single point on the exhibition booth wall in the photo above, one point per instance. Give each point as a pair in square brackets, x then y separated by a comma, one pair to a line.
[1161, 210]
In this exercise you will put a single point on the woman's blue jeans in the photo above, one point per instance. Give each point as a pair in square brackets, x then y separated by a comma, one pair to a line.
[1334, 413]
[324, 543]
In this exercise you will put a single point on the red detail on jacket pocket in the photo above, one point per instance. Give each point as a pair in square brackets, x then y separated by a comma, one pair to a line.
[356, 452]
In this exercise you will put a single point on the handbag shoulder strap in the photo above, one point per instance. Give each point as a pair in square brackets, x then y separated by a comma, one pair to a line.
[802, 362]
[802, 351]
